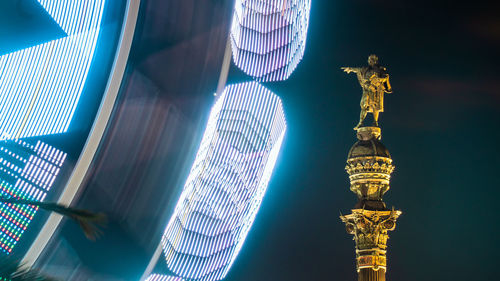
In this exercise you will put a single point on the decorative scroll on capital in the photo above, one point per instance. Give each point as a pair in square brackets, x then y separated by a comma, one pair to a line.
[374, 80]
[370, 233]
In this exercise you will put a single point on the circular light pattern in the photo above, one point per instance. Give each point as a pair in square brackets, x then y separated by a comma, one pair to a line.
[40, 86]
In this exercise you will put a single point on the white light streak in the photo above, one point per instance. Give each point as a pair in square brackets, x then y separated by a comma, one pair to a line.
[158, 277]
[227, 182]
[40, 86]
[268, 37]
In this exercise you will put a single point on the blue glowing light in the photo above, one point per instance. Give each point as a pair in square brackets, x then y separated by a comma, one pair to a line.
[27, 171]
[226, 184]
[268, 37]
[40, 86]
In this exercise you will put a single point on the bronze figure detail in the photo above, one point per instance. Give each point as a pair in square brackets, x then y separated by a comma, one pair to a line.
[374, 81]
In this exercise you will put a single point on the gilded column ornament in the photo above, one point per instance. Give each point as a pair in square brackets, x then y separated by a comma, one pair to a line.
[370, 166]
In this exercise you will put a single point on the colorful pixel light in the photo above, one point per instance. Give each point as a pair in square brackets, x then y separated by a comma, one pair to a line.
[268, 37]
[40, 86]
[27, 171]
[227, 182]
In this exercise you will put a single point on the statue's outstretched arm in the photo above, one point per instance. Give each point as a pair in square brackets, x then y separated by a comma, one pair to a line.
[351, 69]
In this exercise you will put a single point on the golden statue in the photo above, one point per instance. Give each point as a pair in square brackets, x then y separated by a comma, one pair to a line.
[375, 83]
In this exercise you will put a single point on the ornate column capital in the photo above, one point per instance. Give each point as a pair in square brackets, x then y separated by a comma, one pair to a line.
[370, 233]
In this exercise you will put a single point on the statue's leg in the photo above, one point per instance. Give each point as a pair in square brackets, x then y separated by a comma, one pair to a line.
[375, 117]
[362, 117]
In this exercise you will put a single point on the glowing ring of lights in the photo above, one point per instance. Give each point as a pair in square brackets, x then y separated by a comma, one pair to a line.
[40, 86]
[226, 184]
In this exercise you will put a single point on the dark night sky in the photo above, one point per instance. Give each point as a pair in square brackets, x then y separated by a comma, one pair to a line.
[440, 125]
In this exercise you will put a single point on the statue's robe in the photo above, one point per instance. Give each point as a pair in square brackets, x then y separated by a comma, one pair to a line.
[374, 84]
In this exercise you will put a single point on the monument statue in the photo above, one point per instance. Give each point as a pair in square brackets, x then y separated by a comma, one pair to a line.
[374, 81]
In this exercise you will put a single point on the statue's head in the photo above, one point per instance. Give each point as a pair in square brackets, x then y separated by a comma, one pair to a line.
[372, 60]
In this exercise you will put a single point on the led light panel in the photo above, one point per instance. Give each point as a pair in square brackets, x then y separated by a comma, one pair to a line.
[268, 37]
[158, 277]
[226, 184]
[27, 171]
[40, 86]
